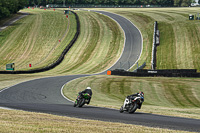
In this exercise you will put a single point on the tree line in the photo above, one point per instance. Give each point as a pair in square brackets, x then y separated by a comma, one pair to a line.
[171, 3]
[8, 7]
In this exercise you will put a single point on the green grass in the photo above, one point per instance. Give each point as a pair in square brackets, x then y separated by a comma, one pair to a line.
[23, 122]
[178, 52]
[180, 42]
[34, 39]
[179, 95]
[163, 54]
[7, 80]
[99, 46]
[6, 20]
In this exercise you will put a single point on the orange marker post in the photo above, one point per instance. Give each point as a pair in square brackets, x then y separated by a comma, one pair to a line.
[108, 72]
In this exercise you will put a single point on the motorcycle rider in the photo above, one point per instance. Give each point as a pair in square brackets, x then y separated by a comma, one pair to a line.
[131, 97]
[87, 90]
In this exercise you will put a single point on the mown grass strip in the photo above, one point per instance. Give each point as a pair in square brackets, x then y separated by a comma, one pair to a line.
[169, 93]
[100, 44]
[163, 54]
[31, 41]
[179, 36]
[21, 121]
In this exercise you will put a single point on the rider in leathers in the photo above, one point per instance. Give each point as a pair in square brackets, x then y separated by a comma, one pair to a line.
[131, 97]
[87, 90]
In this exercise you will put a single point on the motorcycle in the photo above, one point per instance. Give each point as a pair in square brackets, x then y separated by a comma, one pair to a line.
[132, 104]
[82, 99]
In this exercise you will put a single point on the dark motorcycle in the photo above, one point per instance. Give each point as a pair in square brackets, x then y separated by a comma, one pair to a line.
[82, 99]
[132, 104]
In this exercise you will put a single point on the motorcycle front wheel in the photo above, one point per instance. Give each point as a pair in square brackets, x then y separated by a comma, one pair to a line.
[121, 109]
[132, 108]
[75, 103]
[81, 102]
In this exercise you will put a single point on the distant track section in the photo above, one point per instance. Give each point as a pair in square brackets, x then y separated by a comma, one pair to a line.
[133, 42]
[58, 61]
[12, 21]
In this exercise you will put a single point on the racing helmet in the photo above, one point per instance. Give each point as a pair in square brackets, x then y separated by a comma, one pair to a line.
[89, 88]
[141, 93]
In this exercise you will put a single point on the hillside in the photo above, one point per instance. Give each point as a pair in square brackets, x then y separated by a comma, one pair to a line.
[179, 37]
[35, 39]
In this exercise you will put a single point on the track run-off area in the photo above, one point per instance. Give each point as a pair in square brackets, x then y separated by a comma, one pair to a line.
[45, 94]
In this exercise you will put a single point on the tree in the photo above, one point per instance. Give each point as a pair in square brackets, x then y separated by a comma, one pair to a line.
[186, 2]
[177, 2]
[22, 4]
[112, 2]
[4, 12]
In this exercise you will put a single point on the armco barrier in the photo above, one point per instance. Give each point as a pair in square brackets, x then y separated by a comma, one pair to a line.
[140, 67]
[153, 58]
[58, 61]
[158, 73]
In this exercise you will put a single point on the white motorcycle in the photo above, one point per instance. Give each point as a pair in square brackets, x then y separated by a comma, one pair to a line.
[132, 104]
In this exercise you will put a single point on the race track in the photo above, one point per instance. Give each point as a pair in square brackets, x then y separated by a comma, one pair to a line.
[44, 95]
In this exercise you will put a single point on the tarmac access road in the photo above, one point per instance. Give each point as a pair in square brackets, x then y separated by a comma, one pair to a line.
[44, 95]
[4, 26]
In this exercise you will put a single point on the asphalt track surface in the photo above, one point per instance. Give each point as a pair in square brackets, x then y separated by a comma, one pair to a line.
[44, 95]
[12, 21]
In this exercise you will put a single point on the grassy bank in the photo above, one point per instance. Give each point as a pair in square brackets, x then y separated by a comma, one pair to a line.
[165, 96]
[98, 47]
[35, 39]
[179, 40]
[13, 79]
[20, 121]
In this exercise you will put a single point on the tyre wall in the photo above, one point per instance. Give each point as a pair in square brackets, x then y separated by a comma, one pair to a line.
[158, 73]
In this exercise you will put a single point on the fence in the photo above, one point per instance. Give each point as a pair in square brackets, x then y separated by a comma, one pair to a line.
[158, 73]
[99, 6]
[140, 67]
[156, 42]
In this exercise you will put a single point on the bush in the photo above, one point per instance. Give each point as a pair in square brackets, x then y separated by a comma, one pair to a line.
[4, 12]
[8, 7]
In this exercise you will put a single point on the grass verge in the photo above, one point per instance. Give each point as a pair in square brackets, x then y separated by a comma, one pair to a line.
[98, 47]
[21, 121]
[179, 38]
[13, 79]
[165, 96]
[35, 39]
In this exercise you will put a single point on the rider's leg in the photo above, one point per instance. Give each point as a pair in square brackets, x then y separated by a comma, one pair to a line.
[139, 107]
[88, 101]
